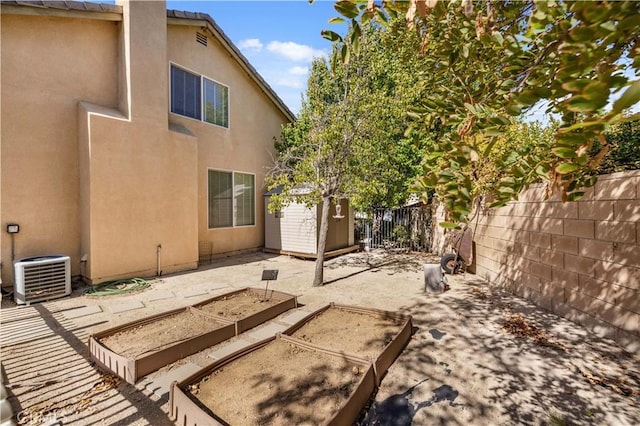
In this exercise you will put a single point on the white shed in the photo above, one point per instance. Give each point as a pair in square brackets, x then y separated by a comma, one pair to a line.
[294, 229]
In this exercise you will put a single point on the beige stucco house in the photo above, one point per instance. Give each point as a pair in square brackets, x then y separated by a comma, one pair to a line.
[132, 137]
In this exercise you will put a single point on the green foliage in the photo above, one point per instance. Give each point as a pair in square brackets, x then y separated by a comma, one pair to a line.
[400, 234]
[351, 128]
[488, 62]
[623, 140]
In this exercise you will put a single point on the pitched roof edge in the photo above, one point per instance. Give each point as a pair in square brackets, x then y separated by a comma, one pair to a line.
[235, 53]
[74, 9]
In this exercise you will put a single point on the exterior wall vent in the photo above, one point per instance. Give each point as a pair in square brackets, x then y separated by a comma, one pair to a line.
[42, 278]
[201, 38]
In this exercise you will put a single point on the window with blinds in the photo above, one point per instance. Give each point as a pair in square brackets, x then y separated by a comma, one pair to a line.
[198, 97]
[232, 199]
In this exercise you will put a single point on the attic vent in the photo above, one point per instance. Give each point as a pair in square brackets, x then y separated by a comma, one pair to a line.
[201, 38]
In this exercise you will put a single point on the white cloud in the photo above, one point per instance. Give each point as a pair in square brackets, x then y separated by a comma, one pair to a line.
[294, 51]
[290, 82]
[251, 45]
[298, 70]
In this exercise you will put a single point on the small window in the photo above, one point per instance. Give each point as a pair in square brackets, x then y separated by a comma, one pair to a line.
[187, 93]
[216, 102]
[231, 199]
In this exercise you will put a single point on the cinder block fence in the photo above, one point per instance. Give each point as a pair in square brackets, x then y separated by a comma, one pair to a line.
[580, 260]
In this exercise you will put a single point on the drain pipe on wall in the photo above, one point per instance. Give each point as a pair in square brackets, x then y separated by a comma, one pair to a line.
[83, 265]
[158, 250]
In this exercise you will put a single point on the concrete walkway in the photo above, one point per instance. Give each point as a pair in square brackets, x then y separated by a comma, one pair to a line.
[460, 367]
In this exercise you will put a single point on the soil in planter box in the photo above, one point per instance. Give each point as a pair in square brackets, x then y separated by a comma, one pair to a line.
[239, 305]
[159, 334]
[350, 332]
[279, 384]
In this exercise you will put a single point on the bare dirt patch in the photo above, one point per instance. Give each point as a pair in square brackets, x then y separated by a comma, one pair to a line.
[239, 305]
[349, 332]
[159, 334]
[279, 384]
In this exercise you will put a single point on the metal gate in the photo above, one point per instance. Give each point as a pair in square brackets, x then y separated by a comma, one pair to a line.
[399, 228]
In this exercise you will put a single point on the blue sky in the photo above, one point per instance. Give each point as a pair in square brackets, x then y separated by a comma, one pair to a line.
[279, 38]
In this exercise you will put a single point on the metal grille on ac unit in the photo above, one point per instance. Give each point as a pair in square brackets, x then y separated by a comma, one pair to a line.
[42, 278]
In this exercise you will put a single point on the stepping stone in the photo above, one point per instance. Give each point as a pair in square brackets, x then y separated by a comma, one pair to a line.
[268, 331]
[229, 349]
[127, 306]
[160, 295]
[194, 293]
[294, 317]
[82, 312]
[160, 385]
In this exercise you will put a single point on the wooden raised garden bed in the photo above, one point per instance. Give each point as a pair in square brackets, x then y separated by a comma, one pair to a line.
[369, 334]
[322, 370]
[140, 347]
[280, 381]
[248, 307]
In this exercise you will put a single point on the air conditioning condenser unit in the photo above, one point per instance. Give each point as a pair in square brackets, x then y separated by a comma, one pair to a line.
[41, 278]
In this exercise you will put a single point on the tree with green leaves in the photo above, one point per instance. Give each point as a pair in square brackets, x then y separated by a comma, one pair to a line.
[490, 61]
[315, 163]
[348, 141]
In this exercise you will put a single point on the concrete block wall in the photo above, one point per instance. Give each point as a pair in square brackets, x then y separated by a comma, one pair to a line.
[578, 259]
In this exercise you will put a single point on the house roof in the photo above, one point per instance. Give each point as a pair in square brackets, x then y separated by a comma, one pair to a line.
[67, 5]
[114, 12]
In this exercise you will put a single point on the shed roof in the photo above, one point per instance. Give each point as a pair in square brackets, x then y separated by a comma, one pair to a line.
[298, 190]
[39, 7]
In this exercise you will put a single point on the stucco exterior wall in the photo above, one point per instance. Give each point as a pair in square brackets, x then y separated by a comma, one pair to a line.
[94, 165]
[141, 195]
[246, 146]
[580, 260]
[43, 78]
[139, 206]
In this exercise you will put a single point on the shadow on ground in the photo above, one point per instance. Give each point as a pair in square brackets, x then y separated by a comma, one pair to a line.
[468, 369]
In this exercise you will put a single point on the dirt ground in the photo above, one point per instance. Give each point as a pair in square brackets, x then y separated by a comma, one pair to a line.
[160, 334]
[350, 332]
[280, 384]
[477, 356]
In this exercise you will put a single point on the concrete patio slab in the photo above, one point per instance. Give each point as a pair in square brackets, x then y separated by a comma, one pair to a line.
[127, 306]
[268, 331]
[160, 295]
[21, 332]
[82, 312]
[229, 349]
[193, 293]
[160, 385]
[294, 317]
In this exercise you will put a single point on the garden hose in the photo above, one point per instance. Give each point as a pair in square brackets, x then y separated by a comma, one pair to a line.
[109, 288]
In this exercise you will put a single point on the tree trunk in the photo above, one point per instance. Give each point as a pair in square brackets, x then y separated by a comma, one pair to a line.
[322, 241]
